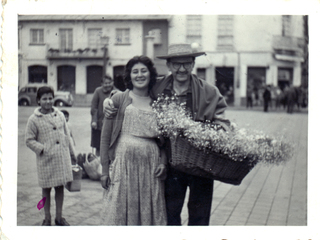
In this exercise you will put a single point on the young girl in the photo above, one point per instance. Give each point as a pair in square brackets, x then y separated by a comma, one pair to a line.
[134, 192]
[48, 136]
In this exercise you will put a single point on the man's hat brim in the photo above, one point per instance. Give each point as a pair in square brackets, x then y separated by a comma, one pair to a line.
[196, 54]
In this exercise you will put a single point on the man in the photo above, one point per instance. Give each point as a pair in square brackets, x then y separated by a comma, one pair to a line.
[266, 98]
[206, 103]
[99, 95]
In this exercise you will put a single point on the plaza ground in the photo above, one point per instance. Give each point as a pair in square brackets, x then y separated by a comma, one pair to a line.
[269, 195]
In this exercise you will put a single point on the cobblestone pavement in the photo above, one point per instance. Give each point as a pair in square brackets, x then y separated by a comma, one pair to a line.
[269, 195]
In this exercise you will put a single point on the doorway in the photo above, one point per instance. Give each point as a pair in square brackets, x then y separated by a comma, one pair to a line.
[37, 74]
[256, 80]
[224, 82]
[285, 77]
[66, 78]
[94, 77]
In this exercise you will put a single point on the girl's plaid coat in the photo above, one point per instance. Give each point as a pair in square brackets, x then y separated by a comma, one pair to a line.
[48, 136]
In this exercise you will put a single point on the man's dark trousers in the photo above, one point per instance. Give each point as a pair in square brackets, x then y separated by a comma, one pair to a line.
[200, 198]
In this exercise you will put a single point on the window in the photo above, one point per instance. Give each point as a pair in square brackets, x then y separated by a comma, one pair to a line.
[286, 25]
[36, 36]
[225, 32]
[194, 28]
[123, 36]
[23, 90]
[94, 37]
[32, 90]
[66, 39]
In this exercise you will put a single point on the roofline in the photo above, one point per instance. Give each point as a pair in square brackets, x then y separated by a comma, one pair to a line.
[91, 17]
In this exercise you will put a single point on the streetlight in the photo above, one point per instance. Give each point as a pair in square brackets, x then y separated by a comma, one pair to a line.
[104, 42]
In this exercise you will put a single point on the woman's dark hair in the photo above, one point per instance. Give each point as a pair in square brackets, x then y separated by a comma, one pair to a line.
[145, 61]
[43, 90]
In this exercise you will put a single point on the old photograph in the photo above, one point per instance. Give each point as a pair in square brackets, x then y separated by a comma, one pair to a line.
[159, 120]
[260, 74]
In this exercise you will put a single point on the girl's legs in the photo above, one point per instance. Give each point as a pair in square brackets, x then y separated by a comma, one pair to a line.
[60, 221]
[46, 193]
[59, 201]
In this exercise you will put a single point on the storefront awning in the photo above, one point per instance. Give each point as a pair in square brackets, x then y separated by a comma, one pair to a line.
[288, 58]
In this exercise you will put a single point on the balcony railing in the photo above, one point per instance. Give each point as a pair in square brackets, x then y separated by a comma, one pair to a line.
[288, 48]
[286, 43]
[80, 53]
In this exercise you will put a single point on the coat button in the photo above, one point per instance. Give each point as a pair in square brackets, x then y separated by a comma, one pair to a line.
[57, 142]
[54, 128]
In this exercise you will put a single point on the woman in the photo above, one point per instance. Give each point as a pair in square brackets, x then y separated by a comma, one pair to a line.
[134, 192]
[48, 136]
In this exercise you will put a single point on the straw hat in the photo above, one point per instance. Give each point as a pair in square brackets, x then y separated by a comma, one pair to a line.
[181, 50]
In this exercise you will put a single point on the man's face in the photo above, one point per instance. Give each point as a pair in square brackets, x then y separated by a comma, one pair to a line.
[181, 68]
[107, 85]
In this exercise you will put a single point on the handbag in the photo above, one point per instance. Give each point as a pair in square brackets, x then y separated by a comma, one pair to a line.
[93, 167]
[75, 185]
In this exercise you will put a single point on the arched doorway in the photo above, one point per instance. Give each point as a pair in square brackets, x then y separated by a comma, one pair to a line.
[37, 74]
[66, 78]
[94, 77]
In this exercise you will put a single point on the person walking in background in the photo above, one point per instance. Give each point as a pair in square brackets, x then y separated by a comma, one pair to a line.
[291, 97]
[99, 95]
[134, 188]
[266, 98]
[249, 97]
[48, 136]
[206, 103]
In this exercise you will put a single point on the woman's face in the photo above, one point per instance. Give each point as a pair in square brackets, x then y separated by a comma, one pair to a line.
[140, 76]
[46, 102]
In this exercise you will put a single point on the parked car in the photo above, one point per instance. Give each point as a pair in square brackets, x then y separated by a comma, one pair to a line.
[27, 96]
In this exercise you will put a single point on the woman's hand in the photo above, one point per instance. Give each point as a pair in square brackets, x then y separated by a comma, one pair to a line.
[94, 125]
[108, 108]
[161, 171]
[105, 181]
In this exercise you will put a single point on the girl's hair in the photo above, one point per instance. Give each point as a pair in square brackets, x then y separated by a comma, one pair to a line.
[43, 90]
[65, 112]
[145, 61]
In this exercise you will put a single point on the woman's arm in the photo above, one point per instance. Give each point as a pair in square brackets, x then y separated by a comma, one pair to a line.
[94, 109]
[31, 138]
[106, 133]
[161, 170]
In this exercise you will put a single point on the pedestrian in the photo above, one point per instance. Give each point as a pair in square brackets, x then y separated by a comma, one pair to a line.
[249, 97]
[48, 136]
[134, 186]
[207, 104]
[266, 98]
[291, 97]
[99, 95]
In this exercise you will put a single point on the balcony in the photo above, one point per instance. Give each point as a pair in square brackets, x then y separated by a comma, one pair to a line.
[81, 53]
[288, 48]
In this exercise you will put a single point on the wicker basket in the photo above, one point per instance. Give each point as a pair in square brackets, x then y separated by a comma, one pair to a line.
[189, 159]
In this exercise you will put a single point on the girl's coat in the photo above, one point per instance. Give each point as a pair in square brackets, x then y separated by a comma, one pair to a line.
[48, 136]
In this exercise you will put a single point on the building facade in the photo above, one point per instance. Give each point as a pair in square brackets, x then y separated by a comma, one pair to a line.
[72, 52]
[243, 52]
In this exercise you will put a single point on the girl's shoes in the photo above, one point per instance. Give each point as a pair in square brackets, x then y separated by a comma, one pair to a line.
[46, 222]
[62, 222]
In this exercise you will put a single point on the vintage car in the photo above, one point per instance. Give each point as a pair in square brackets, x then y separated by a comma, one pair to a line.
[27, 96]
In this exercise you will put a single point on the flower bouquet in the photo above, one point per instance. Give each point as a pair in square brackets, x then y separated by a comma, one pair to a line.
[206, 149]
